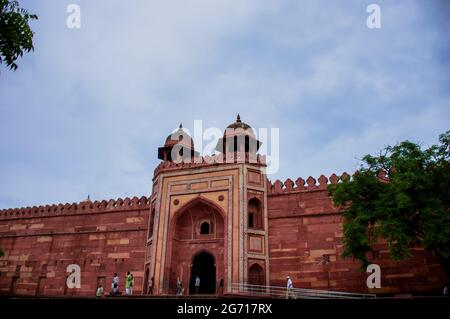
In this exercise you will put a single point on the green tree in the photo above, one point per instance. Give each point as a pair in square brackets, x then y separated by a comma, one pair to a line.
[401, 195]
[16, 36]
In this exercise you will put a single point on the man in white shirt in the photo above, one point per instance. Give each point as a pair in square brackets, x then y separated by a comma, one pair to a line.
[115, 284]
[289, 287]
[197, 284]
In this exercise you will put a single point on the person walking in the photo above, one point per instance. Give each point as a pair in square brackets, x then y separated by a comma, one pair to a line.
[289, 287]
[150, 286]
[115, 284]
[181, 289]
[129, 284]
[99, 293]
[197, 284]
[178, 288]
[220, 288]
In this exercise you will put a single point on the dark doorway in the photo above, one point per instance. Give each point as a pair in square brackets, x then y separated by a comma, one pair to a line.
[203, 266]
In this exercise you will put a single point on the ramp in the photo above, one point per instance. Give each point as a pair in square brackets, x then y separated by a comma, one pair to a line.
[257, 291]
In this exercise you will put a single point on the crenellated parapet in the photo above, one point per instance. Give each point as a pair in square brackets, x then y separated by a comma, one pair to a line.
[76, 208]
[300, 185]
[216, 159]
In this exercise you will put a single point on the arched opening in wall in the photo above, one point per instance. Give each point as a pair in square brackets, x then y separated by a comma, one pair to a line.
[203, 266]
[151, 223]
[186, 236]
[196, 221]
[205, 229]
[256, 275]
[255, 218]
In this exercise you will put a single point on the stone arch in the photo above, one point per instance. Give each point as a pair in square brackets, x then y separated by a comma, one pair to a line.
[256, 274]
[193, 202]
[213, 216]
[185, 242]
[203, 250]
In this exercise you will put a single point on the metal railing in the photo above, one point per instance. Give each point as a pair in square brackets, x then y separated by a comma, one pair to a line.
[294, 293]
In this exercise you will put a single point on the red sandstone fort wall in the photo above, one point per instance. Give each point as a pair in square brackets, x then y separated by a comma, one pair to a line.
[101, 237]
[106, 237]
[305, 231]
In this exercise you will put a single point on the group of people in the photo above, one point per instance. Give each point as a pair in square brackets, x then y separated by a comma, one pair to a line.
[179, 290]
[115, 291]
[129, 283]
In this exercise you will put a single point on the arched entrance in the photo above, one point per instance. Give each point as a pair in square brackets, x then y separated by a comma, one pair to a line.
[196, 229]
[256, 275]
[203, 266]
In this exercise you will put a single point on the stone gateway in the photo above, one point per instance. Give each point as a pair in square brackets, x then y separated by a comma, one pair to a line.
[219, 220]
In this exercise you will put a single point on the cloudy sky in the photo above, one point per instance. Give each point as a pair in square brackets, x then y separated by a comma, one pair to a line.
[85, 112]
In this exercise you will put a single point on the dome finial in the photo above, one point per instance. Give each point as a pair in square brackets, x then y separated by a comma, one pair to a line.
[181, 125]
[238, 119]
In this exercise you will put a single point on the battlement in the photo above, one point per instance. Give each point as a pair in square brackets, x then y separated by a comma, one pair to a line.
[76, 208]
[203, 161]
[310, 184]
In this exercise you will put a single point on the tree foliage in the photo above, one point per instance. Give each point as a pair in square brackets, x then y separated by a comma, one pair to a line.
[16, 36]
[403, 196]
